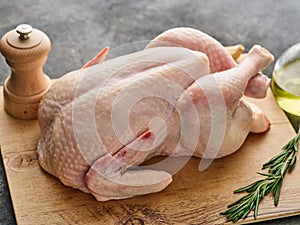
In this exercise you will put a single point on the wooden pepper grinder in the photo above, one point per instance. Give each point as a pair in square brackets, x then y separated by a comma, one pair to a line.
[25, 50]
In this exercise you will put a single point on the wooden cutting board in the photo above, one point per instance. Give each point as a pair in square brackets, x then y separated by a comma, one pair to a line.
[193, 198]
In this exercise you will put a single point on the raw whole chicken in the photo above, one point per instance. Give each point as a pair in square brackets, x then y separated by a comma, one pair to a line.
[180, 96]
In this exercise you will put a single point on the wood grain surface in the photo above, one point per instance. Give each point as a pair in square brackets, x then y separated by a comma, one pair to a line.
[193, 198]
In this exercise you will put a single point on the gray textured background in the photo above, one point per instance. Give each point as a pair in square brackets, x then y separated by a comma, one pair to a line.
[79, 29]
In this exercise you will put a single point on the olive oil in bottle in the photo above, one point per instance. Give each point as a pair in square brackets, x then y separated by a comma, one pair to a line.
[286, 87]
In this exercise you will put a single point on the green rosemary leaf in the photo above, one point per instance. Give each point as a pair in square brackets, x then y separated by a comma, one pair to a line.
[275, 168]
[244, 198]
[265, 174]
[246, 188]
[292, 163]
[238, 207]
[284, 168]
[258, 185]
[296, 146]
[263, 191]
[240, 211]
[275, 160]
[289, 145]
[277, 192]
[246, 212]
[258, 199]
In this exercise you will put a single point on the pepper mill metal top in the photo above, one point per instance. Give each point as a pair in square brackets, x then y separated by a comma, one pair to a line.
[24, 31]
[25, 50]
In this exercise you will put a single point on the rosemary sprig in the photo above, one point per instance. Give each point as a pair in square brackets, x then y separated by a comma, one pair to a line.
[271, 183]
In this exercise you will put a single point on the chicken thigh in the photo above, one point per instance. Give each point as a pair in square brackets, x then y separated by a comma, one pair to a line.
[181, 96]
